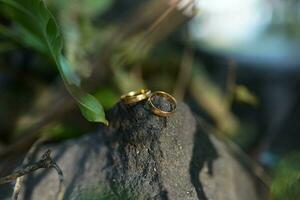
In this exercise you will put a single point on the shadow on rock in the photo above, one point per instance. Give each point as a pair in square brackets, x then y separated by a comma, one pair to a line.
[204, 152]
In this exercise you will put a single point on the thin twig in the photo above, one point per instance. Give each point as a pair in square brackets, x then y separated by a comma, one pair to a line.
[161, 18]
[167, 14]
[45, 162]
[61, 187]
[28, 157]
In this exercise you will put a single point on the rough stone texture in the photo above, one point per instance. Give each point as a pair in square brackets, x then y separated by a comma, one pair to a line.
[142, 156]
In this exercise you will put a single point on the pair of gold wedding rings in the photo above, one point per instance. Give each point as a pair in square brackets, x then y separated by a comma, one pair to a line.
[134, 97]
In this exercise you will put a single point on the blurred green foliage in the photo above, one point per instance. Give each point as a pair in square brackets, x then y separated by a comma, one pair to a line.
[132, 60]
[38, 29]
[286, 183]
[107, 96]
[62, 131]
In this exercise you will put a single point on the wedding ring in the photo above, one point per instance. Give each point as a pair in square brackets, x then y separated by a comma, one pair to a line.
[167, 97]
[135, 96]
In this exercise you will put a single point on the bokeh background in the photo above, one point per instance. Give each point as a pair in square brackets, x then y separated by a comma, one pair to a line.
[236, 63]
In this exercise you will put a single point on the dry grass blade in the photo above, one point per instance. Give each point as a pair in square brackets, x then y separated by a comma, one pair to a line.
[184, 74]
[231, 82]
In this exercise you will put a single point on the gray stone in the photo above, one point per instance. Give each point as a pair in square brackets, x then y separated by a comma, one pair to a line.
[143, 156]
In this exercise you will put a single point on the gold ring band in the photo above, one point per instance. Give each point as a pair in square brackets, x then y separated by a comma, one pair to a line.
[166, 96]
[135, 96]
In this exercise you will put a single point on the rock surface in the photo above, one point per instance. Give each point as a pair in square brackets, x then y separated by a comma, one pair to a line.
[143, 156]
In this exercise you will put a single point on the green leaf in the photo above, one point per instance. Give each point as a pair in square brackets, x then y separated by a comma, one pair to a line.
[89, 108]
[39, 30]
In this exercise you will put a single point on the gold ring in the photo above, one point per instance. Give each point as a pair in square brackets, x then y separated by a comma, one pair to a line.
[135, 96]
[166, 96]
